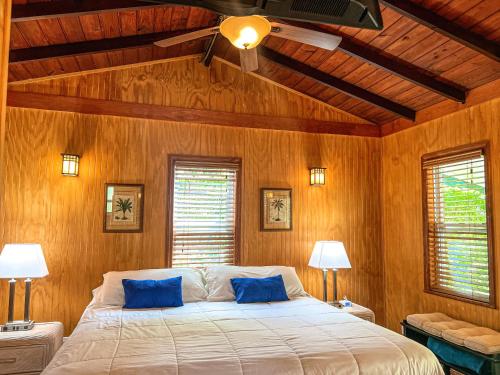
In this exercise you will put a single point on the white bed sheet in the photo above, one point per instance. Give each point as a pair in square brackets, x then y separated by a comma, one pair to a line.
[301, 336]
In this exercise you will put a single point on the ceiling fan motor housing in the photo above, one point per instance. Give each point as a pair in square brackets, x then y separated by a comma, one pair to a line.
[356, 13]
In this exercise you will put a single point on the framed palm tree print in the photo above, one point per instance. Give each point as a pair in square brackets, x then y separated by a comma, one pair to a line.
[123, 208]
[276, 209]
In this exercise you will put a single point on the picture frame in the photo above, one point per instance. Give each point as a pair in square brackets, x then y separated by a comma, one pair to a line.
[275, 209]
[123, 208]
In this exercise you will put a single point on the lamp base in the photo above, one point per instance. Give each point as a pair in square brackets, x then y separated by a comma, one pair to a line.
[17, 325]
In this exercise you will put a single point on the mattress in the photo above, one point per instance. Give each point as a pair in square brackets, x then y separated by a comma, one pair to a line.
[300, 336]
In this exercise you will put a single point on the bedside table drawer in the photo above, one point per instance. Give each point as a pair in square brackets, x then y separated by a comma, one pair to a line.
[18, 360]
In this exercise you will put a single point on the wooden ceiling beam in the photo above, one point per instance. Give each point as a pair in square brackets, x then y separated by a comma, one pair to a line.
[62, 8]
[443, 26]
[337, 83]
[393, 65]
[94, 46]
[188, 115]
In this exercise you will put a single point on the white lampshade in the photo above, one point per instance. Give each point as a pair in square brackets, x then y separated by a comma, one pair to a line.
[21, 261]
[329, 255]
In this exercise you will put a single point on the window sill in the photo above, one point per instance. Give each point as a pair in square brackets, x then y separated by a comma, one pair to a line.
[441, 293]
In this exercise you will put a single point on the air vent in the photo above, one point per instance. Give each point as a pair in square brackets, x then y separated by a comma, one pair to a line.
[335, 8]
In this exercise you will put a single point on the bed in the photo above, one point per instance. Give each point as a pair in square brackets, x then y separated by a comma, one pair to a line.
[300, 336]
[213, 334]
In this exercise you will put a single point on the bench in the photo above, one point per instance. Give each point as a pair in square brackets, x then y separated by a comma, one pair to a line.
[490, 363]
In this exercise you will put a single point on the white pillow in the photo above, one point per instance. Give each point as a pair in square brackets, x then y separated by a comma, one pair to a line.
[193, 285]
[96, 295]
[219, 280]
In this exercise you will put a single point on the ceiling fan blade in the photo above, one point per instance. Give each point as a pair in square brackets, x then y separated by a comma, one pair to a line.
[187, 37]
[249, 61]
[298, 34]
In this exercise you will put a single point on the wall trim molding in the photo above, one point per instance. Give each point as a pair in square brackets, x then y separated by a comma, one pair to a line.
[178, 114]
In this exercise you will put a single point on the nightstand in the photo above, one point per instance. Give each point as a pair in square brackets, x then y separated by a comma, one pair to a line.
[361, 312]
[29, 352]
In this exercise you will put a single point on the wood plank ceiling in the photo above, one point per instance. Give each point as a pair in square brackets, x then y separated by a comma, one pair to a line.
[404, 68]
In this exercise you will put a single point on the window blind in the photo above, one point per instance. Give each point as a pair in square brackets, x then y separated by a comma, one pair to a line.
[457, 225]
[204, 213]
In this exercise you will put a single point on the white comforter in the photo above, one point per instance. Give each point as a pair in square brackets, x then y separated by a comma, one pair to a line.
[301, 336]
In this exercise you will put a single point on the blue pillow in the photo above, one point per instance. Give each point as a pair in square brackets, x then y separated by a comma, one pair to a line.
[144, 294]
[268, 289]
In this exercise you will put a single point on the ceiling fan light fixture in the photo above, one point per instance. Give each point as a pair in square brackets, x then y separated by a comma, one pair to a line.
[245, 32]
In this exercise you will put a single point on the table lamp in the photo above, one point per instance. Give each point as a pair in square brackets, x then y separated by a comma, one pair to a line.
[329, 255]
[21, 261]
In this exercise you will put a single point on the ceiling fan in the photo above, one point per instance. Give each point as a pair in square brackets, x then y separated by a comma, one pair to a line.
[247, 32]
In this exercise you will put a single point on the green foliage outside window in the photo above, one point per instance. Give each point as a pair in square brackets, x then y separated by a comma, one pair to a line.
[463, 213]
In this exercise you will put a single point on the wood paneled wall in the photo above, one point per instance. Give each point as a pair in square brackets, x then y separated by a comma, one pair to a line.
[64, 214]
[402, 211]
[5, 11]
[186, 83]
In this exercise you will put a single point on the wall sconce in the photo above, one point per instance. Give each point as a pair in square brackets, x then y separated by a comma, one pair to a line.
[318, 176]
[70, 163]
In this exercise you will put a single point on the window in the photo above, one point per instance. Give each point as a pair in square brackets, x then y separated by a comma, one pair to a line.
[457, 225]
[204, 211]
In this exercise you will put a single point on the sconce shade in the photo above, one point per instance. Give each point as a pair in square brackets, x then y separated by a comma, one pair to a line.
[245, 32]
[329, 255]
[318, 176]
[21, 261]
[70, 164]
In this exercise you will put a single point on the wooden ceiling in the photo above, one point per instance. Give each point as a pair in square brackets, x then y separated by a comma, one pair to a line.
[429, 50]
